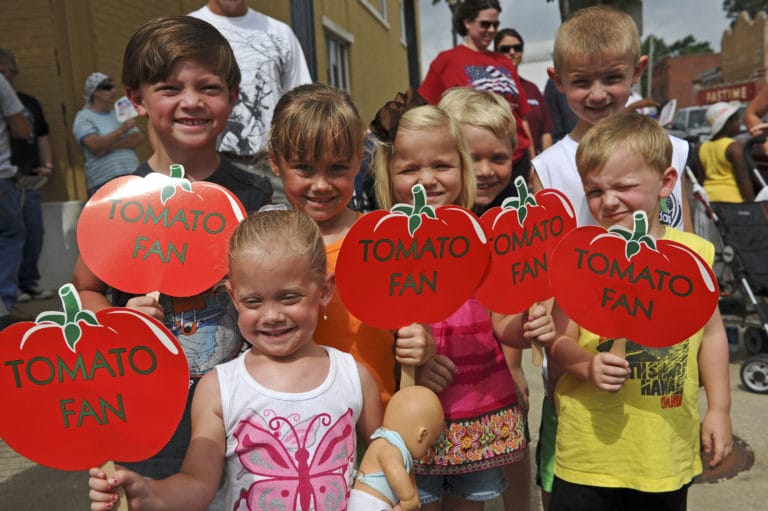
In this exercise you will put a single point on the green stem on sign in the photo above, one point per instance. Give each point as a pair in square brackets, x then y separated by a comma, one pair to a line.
[415, 212]
[641, 224]
[69, 302]
[419, 198]
[177, 170]
[638, 236]
[522, 192]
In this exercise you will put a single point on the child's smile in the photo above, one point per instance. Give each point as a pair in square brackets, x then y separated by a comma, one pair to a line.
[190, 107]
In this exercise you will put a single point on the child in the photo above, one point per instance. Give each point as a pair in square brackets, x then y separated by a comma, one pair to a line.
[596, 60]
[617, 446]
[489, 130]
[281, 416]
[484, 429]
[181, 73]
[315, 147]
[726, 177]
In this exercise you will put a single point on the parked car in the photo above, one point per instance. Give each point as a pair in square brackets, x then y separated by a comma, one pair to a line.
[690, 123]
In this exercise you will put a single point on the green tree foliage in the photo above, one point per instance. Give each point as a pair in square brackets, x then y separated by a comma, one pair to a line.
[688, 45]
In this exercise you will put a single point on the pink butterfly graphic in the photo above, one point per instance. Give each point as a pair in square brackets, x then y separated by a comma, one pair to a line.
[293, 481]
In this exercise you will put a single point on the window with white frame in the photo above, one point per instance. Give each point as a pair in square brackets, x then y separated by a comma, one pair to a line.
[338, 72]
[403, 35]
[337, 43]
[378, 8]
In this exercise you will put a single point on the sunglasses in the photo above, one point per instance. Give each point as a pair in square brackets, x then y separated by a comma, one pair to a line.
[485, 25]
[105, 86]
[505, 48]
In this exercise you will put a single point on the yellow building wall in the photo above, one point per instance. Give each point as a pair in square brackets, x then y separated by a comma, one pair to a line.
[378, 60]
[58, 43]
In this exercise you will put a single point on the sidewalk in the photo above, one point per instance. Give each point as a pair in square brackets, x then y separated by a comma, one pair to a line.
[27, 486]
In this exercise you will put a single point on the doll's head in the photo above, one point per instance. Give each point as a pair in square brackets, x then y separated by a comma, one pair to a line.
[416, 414]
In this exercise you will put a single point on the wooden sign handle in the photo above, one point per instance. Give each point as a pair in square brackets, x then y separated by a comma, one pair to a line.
[537, 350]
[407, 376]
[122, 501]
[619, 347]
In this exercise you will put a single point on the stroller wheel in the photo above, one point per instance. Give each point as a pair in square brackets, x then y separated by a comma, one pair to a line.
[755, 341]
[754, 374]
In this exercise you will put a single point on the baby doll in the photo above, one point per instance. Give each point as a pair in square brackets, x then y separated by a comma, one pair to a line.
[413, 421]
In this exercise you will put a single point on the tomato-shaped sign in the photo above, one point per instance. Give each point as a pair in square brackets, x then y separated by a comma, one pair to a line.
[158, 233]
[411, 264]
[78, 388]
[621, 283]
[521, 234]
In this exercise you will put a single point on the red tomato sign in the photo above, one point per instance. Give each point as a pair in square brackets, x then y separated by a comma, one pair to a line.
[521, 234]
[411, 264]
[618, 283]
[158, 233]
[78, 388]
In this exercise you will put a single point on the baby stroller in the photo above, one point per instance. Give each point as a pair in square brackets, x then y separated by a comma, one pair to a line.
[741, 266]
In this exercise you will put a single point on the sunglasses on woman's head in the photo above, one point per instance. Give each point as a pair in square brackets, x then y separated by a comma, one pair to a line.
[488, 24]
[105, 86]
[505, 48]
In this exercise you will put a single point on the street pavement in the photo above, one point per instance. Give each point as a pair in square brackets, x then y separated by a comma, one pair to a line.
[27, 486]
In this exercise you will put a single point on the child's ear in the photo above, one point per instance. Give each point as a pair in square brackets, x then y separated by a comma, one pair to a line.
[326, 291]
[555, 78]
[423, 432]
[273, 164]
[233, 93]
[230, 292]
[642, 63]
[136, 100]
[668, 181]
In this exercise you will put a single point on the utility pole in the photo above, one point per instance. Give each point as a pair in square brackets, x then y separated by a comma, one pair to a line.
[649, 87]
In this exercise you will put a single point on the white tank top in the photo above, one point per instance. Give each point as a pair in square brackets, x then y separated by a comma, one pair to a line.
[286, 450]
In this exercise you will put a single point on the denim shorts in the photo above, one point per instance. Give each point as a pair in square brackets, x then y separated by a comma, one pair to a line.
[478, 486]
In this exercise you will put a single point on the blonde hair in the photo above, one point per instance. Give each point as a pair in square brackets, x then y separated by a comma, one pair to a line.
[289, 231]
[481, 109]
[635, 133]
[158, 44]
[311, 119]
[423, 118]
[595, 34]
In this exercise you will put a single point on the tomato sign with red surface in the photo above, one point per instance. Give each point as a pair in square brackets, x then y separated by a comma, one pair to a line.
[621, 283]
[158, 233]
[411, 264]
[78, 388]
[521, 233]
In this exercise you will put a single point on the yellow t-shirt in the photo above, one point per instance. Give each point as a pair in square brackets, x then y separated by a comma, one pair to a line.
[373, 347]
[646, 436]
[719, 181]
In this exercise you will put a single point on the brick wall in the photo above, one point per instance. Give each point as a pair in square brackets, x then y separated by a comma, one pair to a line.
[673, 77]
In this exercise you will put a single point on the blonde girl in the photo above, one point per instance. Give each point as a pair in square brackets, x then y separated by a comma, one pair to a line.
[484, 431]
[280, 419]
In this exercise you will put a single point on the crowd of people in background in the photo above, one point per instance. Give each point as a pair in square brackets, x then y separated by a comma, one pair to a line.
[231, 99]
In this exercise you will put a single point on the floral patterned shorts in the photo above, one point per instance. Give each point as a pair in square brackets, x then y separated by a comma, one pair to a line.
[478, 443]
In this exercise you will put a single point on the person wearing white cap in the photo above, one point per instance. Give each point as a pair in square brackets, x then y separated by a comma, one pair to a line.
[726, 178]
[108, 145]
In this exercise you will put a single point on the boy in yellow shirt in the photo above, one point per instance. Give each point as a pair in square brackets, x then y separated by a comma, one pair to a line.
[618, 446]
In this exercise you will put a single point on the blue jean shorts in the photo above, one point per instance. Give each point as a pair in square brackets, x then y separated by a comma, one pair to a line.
[478, 486]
